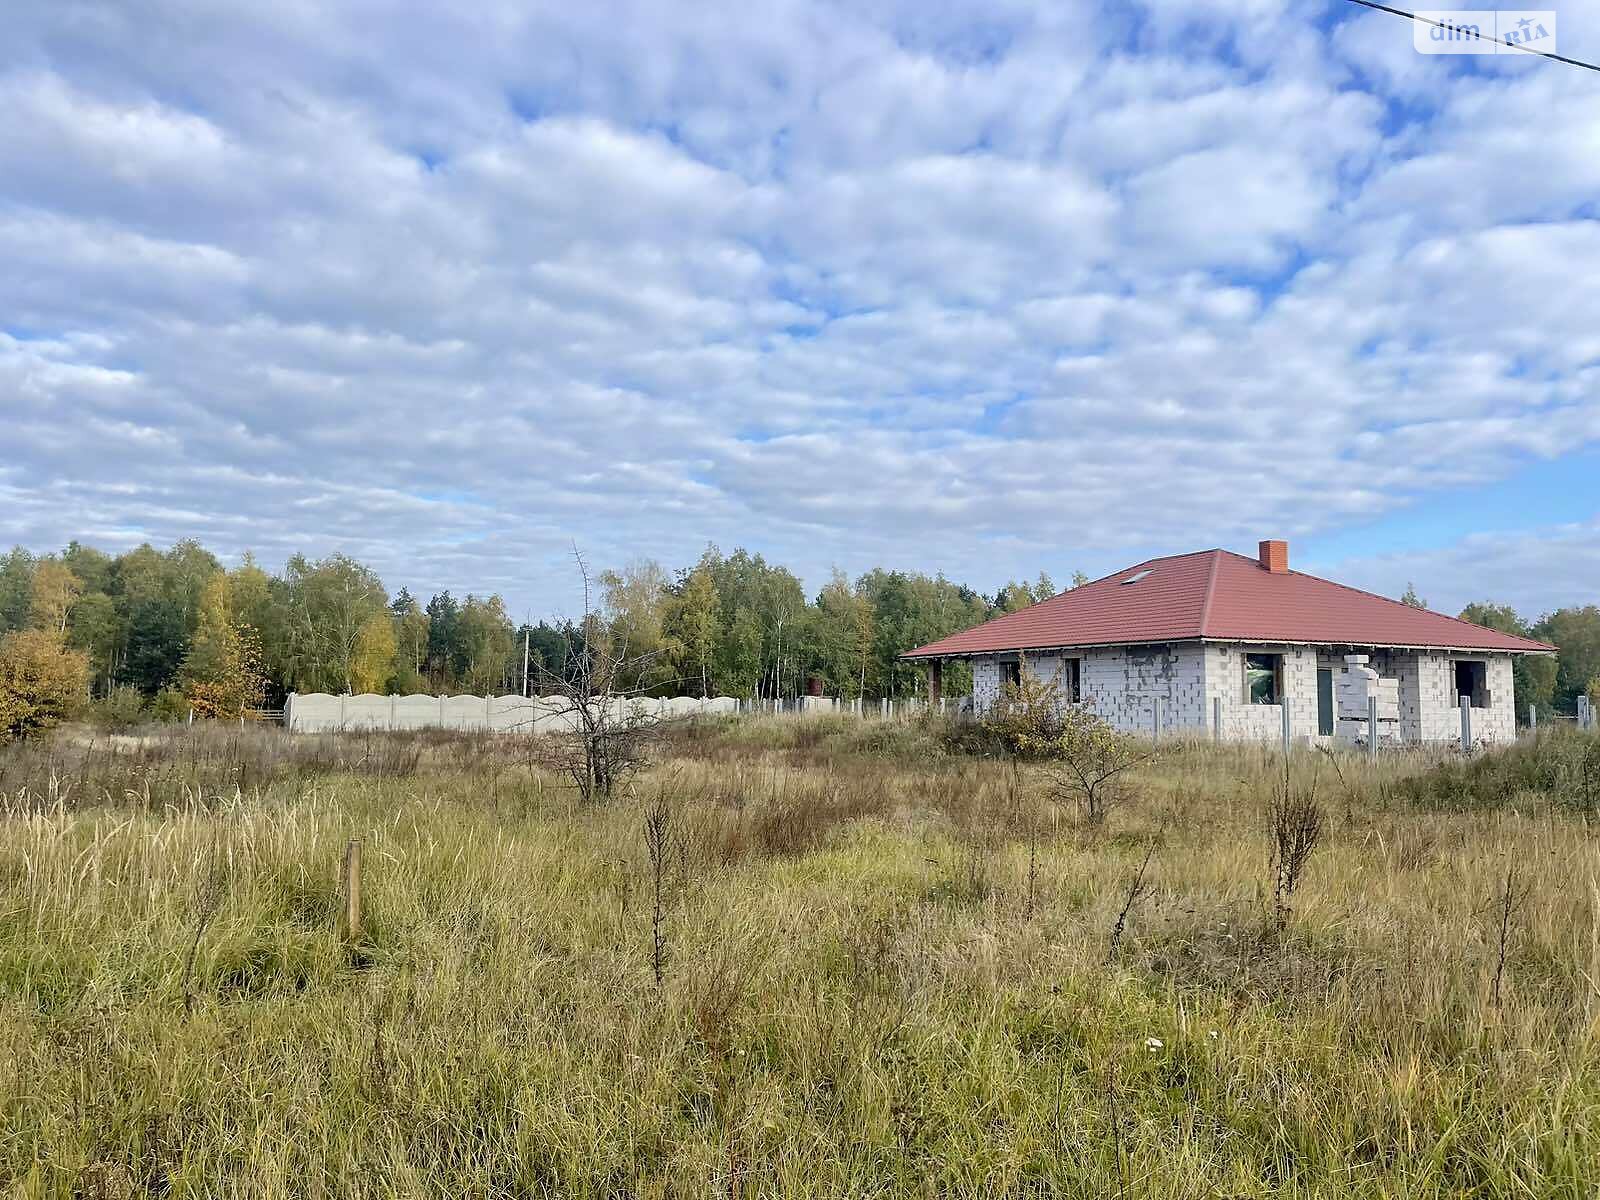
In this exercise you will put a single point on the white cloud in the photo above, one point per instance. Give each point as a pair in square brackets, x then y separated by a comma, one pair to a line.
[1535, 571]
[450, 289]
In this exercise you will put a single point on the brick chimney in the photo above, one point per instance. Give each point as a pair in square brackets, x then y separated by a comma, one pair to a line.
[1274, 556]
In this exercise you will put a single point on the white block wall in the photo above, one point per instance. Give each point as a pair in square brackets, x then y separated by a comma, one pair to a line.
[985, 683]
[1243, 721]
[1123, 685]
[1428, 701]
[1439, 707]
[1498, 722]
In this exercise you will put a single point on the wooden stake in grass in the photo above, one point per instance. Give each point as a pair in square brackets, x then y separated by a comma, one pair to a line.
[352, 890]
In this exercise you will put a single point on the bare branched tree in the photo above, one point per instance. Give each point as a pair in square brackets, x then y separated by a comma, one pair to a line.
[1090, 760]
[1510, 899]
[607, 730]
[1135, 890]
[658, 836]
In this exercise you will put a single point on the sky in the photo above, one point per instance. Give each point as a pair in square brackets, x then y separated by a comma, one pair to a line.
[975, 289]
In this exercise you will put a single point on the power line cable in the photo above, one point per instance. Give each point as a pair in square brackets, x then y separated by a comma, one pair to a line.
[1400, 12]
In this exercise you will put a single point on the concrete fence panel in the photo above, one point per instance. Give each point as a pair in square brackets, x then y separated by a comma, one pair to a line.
[413, 712]
[319, 712]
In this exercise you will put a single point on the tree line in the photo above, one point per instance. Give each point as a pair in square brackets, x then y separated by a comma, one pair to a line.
[167, 631]
[171, 630]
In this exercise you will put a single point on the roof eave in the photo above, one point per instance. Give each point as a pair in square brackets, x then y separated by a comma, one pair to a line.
[922, 655]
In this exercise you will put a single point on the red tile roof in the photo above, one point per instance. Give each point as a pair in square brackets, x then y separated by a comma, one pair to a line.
[1220, 596]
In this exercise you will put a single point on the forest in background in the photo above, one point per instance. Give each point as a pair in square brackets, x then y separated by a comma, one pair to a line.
[161, 632]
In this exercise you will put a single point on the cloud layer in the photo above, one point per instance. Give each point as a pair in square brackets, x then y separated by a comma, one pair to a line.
[979, 291]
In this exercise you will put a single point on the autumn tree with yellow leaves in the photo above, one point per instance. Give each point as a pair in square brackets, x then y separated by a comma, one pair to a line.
[222, 675]
[42, 680]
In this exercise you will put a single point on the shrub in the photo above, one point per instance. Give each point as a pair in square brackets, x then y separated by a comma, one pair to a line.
[1027, 720]
[119, 709]
[169, 704]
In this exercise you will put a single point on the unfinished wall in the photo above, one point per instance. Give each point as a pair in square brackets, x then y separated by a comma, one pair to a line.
[985, 683]
[1498, 723]
[1428, 700]
[1123, 684]
[1244, 721]
[1439, 711]
[318, 712]
[1126, 684]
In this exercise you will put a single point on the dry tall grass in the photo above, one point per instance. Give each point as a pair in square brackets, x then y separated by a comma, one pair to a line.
[867, 987]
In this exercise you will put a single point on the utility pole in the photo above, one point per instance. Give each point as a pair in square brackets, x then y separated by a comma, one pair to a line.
[525, 634]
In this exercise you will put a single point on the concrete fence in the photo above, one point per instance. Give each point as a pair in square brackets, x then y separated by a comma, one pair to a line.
[318, 712]
[886, 709]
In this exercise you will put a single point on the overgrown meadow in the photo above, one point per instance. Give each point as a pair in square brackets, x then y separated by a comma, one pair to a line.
[847, 961]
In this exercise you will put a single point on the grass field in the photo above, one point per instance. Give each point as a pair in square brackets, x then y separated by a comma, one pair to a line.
[885, 970]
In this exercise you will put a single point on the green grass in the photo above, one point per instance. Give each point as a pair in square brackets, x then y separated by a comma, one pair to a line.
[1560, 765]
[858, 998]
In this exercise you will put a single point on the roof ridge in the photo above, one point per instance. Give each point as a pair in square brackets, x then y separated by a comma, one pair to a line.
[1211, 590]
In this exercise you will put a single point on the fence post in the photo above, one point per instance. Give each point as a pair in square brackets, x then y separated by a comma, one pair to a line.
[1216, 718]
[1466, 724]
[1285, 707]
[352, 889]
[1533, 718]
[1372, 728]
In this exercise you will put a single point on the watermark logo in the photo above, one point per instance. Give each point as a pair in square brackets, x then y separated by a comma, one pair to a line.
[1484, 31]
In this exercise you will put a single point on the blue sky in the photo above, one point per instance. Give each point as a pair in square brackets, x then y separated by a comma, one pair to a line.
[975, 289]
